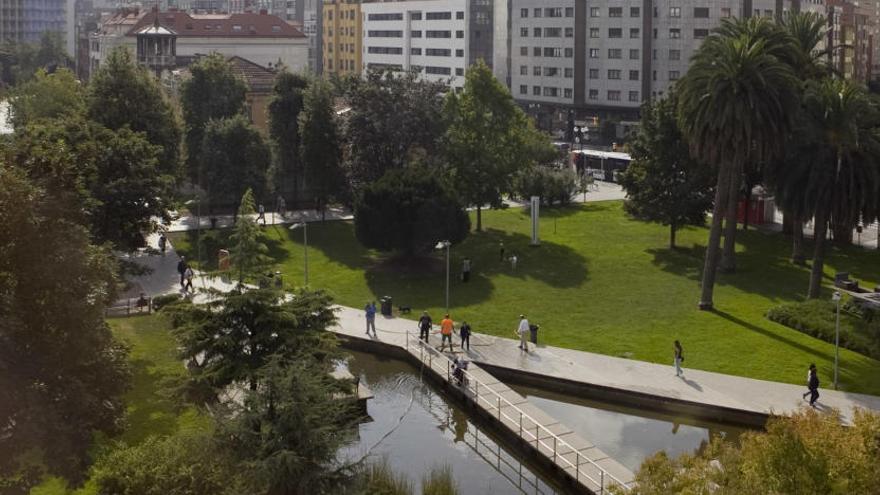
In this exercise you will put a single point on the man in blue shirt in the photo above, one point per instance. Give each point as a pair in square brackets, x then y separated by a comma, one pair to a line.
[370, 310]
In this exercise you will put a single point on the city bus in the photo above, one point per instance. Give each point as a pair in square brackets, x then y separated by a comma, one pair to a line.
[602, 165]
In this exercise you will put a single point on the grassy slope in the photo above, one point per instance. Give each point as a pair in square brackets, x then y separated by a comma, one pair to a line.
[600, 282]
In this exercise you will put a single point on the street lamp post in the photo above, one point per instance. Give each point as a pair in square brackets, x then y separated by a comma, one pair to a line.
[305, 227]
[836, 298]
[441, 245]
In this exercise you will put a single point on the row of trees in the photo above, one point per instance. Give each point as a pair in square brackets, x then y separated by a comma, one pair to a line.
[758, 105]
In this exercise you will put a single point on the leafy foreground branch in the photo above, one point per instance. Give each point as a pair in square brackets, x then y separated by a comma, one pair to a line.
[808, 453]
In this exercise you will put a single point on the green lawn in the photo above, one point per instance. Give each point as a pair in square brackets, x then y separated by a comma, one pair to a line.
[599, 282]
[149, 409]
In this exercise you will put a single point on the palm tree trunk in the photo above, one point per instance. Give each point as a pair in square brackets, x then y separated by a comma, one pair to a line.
[747, 207]
[711, 261]
[672, 235]
[728, 256]
[820, 229]
[788, 223]
[479, 218]
[797, 242]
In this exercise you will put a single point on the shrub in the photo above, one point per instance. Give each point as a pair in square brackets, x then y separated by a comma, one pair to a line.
[858, 331]
[160, 302]
[553, 186]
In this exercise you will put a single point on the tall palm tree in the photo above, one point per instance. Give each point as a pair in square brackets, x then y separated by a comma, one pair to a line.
[841, 182]
[735, 105]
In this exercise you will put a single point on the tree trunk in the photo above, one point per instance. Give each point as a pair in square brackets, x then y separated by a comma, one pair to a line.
[797, 242]
[672, 235]
[711, 261]
[842, 233]
[479, 218]
[746, 209]
[820, 229]
[728, 256]
[788, 223]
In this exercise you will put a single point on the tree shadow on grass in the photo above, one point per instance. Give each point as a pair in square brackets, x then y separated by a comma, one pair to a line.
[767, 333]
[335, 239]
[151, 411]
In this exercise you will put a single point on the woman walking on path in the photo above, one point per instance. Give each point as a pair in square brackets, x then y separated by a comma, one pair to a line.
[465, 333]
[678, 357]
[188, 275]
[523, 332]
[813, 385]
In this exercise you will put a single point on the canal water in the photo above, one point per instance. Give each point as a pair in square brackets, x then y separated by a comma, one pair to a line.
[415, 427]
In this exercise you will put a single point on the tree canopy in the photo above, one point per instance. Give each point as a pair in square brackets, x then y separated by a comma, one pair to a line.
[46, 96]
[248, 253]
[284, 110]
[234, 157]
[320, 145]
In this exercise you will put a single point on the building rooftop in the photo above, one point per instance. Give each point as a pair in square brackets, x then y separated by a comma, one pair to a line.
[246, 25]
[258, 78]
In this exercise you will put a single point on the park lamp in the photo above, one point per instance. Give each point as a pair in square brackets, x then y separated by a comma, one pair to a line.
[836, 299]
[305, 228]
[836, 296]
[445, 245]
[442, 245]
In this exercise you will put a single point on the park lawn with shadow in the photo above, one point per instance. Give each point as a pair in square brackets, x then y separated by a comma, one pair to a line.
[600, 282]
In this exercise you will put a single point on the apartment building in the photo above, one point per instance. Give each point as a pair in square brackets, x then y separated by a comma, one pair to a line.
[439, 39]
[25, 21]
[342, 37]
[851, 32]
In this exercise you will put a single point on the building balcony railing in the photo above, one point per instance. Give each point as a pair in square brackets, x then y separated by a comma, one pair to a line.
[157, 60]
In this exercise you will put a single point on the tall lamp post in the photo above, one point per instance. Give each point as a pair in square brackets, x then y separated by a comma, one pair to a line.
[305, 227]
[441, 245]
[836, 298]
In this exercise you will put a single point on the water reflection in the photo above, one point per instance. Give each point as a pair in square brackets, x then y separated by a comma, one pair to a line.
[627, 434]
[415, 429]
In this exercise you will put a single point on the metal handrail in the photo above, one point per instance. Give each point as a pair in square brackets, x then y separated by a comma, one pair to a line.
[557, 442]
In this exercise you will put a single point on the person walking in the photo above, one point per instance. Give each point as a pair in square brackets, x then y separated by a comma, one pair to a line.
[446, 329]
[282, 207]
[181, 269]
[262, 214]
[809, 374]
[188, 274]
[813, 385]
[513, 260]
[523, 332]
[678, 357]
[370, 310]
[502, 250]
[424, 326]
[466, 270]
[163, 241]
[465, 332]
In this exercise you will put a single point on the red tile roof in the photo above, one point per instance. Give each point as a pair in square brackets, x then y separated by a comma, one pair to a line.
[247, 25]
[258, 78]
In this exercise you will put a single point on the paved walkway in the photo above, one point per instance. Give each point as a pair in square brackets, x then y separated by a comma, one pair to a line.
[701, 387]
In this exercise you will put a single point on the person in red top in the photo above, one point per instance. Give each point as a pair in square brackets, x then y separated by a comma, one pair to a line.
[446, 328]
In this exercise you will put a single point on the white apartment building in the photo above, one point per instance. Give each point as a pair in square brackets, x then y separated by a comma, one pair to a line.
[612, 55]
[437, 38]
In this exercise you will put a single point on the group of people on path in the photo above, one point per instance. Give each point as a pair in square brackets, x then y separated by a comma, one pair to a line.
[186, 275]
[447, 329]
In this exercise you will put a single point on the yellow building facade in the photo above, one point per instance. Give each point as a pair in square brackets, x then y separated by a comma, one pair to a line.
[342, 34]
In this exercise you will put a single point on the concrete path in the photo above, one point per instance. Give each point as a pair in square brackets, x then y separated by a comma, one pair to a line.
[698, 387]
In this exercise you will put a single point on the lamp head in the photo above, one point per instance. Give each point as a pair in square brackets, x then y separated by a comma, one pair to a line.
[836, 296]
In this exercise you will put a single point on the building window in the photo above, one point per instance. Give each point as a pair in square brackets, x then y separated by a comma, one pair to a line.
[459, 71]
[594, 73]
[725, 12]
[569, 12]
[536, 90]
[523, 70]
[615, 12]
[569, 32]
[614, 53]
[552, 92]
[236, 27]
[568, 92]
[385, 50]
[554, 32]
[613, 95]
[415, 51]
[615, 33]
[523, 13]
[523, 51]
[459, 34]
[537, 12]
[438, 34]
[438, 52]
[594, 94]
[553, 12]
[569, 52]
[675, 33]
[524, 32]
[634, 32]
[459, 14]
[635, 12]
[536, 32]
[438, 16]
[415, 34]
[594, 32]
[701, 12]
[523, 89]
[613, 74]
[569, 72]
[536, 51]
[594, 53]
[700, 33]
[674, 11]
[381, 17]
[416, 16]
[634, 54]
[442, 71]
[634, 96]
[594, 11]
[673, 75]
[551, 71]
[536, 71]
[385, 34]
[459, 53]
[552, 52]
[674, 54]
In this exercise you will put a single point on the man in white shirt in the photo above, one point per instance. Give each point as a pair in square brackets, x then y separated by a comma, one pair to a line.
[523, 332]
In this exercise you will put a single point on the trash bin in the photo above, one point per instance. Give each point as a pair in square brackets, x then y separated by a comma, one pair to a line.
[533, 330]
[223, 260]
[386, 305]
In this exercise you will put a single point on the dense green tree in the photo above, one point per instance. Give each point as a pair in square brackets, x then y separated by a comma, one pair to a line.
[735, 105]
[811, 452]
[234, 158]
[20, 61]
[46, 96]
[123, 93]
[320, 145]
[62, 375]
[213, 92]
[489, 139]
[663, 183]
[284, 109]
[409, 210]
[109, 181]
[393, 118]
[248, 253]
[551, 184]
